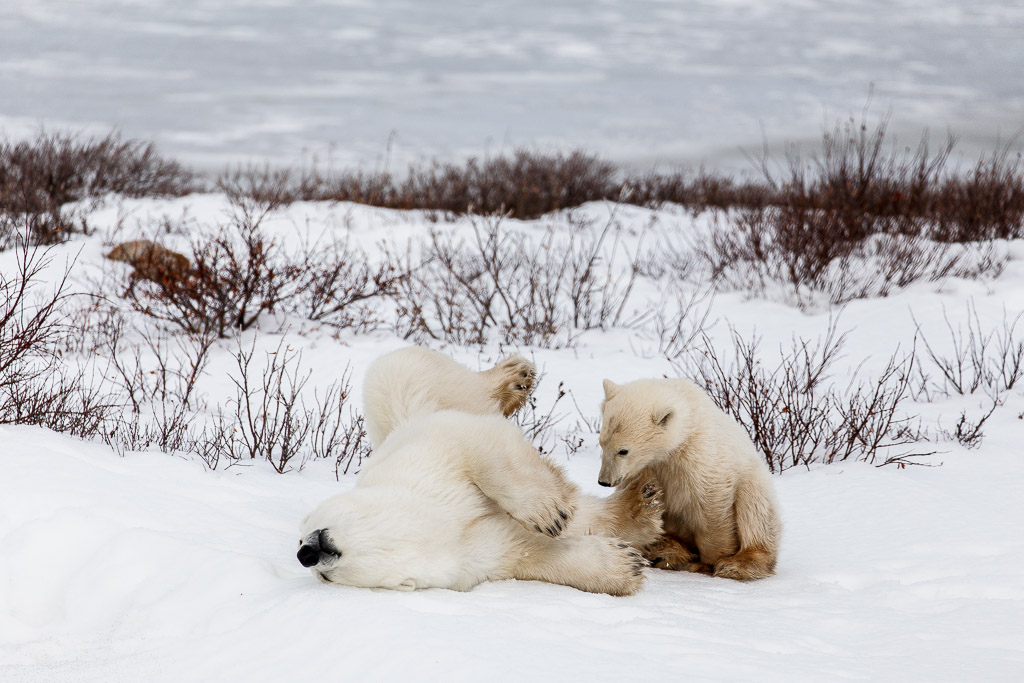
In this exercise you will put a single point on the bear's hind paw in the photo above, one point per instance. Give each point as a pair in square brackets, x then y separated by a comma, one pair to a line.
[512, 381]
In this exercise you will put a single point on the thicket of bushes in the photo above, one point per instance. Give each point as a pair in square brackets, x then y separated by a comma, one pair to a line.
[39, 177]
[857, 220]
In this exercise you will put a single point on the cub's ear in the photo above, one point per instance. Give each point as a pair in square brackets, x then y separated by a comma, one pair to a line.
[662, 415]
[407, 585]
[610, 389]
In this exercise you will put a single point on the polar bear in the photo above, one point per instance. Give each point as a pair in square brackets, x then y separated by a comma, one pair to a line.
[721, 515]
[451, 499]
[416, 381]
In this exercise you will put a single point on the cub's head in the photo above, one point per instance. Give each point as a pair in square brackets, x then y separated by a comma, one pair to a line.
[641, 423]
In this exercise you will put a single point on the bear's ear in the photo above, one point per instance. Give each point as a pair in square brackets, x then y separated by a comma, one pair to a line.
[662, 416]
[610, 389]
[407, 585]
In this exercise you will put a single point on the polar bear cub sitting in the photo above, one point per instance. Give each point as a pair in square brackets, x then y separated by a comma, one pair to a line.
[721, 515]
[450, 500]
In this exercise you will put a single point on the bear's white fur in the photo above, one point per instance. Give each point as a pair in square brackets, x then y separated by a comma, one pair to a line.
[416, 381]
[721, 514]
[451, 499]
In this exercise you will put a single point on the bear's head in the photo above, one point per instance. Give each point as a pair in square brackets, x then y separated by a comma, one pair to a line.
[641, 423]
[356, 539]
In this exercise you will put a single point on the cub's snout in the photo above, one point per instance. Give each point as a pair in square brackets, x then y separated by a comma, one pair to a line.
[316, 547]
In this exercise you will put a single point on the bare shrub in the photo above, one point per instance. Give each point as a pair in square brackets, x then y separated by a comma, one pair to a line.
[258, 188]
[157, 373]
[342, 288]
[987, 203]
[795, 412]
[968, 430]
[39, 176]
[698, 190]
[350, 445]
[538, 293]
[989, 360]
[272, 422]
[800, 251]
[238, 273]
[680, 321]
[160, 368]
[524, 184]
[35, 229]
[541, 426]
[36, 387]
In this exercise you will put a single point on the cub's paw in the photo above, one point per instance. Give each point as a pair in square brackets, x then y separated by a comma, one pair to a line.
[746, 565]
[668, 553]
[679, 566]
[511, 382]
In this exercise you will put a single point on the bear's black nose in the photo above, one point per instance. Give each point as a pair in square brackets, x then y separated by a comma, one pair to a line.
[603, 483]
[309, 555]
[315, 546]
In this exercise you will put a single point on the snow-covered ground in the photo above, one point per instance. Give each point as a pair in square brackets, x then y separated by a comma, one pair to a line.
[150, 567]
[639, 81]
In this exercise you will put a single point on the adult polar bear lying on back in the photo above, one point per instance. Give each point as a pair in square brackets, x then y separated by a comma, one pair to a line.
[450, 499]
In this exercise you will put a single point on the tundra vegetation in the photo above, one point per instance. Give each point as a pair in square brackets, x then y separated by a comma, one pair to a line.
[506, 257]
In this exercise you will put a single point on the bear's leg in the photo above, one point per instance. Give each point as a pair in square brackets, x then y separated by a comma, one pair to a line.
[530, 489]
[670, 552]
[633, 513]
[510, 383]
[746, 565]
[758, 528]
[596, 564]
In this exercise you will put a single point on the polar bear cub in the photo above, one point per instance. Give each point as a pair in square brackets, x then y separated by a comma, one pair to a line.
[721, 515]
[416, 381]
[451, 499]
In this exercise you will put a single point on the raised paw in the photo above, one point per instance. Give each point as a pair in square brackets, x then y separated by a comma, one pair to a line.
[511, 382]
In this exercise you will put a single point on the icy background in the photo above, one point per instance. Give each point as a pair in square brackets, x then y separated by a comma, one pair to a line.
[643, 82]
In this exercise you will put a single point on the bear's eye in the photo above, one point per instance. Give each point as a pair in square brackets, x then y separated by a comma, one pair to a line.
[623, 451]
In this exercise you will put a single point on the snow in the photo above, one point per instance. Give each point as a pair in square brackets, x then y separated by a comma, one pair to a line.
[642, 82]
[151, 567]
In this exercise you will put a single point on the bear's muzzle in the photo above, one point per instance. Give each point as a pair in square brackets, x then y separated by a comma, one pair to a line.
[315, 547]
